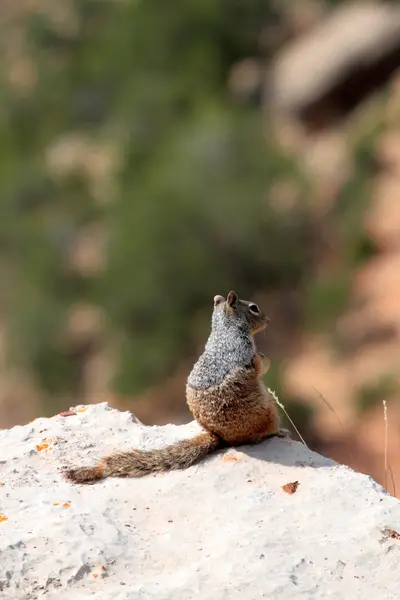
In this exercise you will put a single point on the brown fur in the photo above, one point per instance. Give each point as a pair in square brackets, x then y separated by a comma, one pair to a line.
[137, 463]
[237, 411]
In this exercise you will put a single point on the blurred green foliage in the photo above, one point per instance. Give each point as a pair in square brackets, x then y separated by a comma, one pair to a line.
[189, 214]
[326, 296]
[372, 394]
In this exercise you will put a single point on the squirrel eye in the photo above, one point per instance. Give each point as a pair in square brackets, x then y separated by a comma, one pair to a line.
[254, 309]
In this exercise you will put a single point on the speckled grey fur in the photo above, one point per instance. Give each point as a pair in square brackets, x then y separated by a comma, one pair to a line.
[229, 345]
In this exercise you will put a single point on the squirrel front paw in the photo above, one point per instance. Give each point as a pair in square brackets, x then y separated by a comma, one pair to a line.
[283, 433]
[280, 433]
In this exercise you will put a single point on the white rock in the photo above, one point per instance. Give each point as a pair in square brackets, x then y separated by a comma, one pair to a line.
[223, 529]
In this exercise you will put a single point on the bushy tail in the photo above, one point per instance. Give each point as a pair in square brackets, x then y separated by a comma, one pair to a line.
[137, 463]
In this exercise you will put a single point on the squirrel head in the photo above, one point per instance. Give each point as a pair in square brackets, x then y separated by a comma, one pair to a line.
[244, 313]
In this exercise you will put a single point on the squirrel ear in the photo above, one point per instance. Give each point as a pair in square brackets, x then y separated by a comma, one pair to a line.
[218, 299]
[232, 298]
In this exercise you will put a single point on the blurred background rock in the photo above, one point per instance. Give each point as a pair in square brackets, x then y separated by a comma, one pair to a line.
[154, 154]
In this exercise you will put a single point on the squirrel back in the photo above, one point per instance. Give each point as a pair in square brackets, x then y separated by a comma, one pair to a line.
[224, 392]
[230, 344]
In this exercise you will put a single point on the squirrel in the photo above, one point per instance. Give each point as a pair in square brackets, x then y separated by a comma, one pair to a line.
[224, 392]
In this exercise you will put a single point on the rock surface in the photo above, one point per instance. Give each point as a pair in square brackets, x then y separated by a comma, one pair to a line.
[223, 529]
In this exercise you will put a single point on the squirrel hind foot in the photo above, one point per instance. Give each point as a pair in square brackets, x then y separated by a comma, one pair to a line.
[86, 475]
[282, 433]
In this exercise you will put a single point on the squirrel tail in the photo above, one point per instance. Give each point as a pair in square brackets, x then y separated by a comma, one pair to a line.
[137, 463]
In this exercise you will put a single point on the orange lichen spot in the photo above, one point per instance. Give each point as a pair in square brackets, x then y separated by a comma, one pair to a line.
[67, 413]
[291, 488]
[2, 483]
[83, 409]
[99, 571]
[3, 517]
[230, 458]
[42, 446]
[66, 504]
[56, 503]
[47, 444]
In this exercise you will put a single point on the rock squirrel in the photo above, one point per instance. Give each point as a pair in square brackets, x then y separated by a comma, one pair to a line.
[224, 392]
